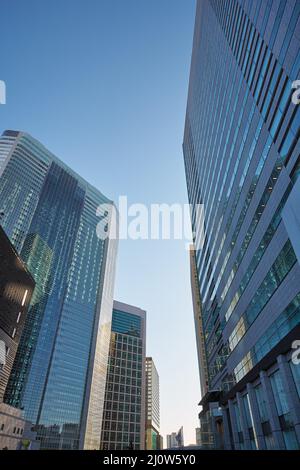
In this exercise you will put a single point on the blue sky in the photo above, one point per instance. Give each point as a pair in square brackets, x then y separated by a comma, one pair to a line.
[103, 84]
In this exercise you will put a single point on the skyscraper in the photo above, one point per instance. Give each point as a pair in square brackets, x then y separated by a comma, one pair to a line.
[241, 150]
[175, 439]
[124, 409]
[152, 406]
[50, 215]
[171, 440]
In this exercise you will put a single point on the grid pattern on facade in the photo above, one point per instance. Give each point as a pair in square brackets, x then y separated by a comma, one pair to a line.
[123, 424]
[241, 151]
[50, 216]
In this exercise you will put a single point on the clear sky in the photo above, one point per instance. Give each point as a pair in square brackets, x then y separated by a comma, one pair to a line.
[103, 84]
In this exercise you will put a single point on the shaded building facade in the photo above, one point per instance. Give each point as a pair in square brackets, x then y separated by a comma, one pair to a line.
[209, 415]
[241, 150]
[16, 288]
[199, 330]
[50, 215]
[124, 408]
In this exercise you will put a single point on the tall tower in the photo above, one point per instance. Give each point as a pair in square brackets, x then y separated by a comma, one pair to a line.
[51, 216]
[241, 152]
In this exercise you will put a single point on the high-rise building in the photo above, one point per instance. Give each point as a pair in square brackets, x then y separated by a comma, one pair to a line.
[16, 288]
[124, 409]
[175, 439]
[171, 440]
[51, 215]
[152, 406]
[241, 150]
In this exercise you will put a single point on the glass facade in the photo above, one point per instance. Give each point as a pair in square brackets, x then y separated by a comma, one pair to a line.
[241, 153]
[60, 367]
[124, 407]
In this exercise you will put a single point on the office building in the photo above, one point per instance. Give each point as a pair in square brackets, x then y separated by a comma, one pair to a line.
[241, 151]
[124, 409]
[152, 406]
[171, 440]
[175, 439]
[51, 215]
[16, 288]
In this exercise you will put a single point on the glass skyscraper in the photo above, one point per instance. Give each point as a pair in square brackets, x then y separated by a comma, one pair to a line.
[241, 150]
[124, 409]
[50, 215]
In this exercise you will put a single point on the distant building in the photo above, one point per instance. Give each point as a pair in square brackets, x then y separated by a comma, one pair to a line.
[16, 433]
[124, 406]
[175, 439]
[171, 440]
[152, 406]
[191, 447]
